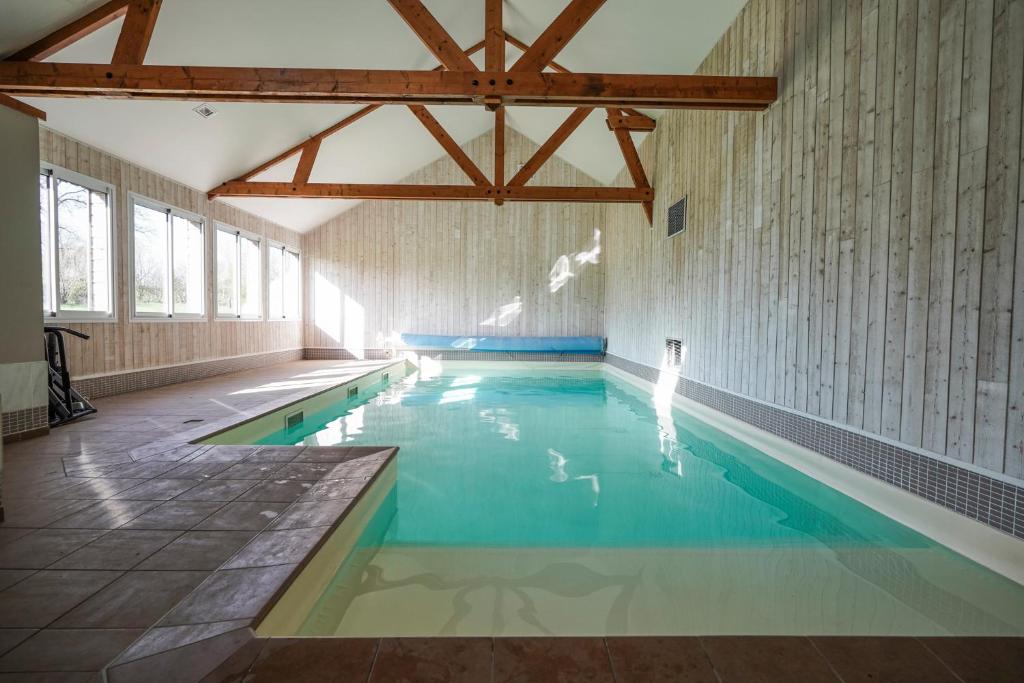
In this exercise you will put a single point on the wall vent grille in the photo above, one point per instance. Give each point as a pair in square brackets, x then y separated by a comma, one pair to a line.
[673, 352]
[293, 420]
[677, 218]
[353, 391]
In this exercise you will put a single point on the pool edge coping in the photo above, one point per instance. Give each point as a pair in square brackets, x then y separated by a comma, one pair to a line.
[979, 542]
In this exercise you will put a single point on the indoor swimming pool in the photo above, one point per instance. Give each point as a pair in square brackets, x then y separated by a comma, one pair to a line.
[570, 502]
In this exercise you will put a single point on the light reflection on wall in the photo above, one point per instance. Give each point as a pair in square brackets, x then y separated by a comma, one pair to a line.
[355, 328]
[504, 315]
[327, 307]
[562, 271]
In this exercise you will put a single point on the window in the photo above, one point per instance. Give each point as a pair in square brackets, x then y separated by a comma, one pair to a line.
[238, 274]
[282, 283]
[168, 262]
[76, 234]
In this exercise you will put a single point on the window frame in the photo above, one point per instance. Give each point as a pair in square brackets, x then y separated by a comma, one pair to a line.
[281, 246]
[169, 315]
[55, 173]
[262, 265]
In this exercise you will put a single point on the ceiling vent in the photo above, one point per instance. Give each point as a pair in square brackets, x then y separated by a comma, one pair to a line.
[205, 110]
[677, 218]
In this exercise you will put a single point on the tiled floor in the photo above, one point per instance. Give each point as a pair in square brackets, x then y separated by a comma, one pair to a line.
[119, 537]
[111, 521]
[629, 660]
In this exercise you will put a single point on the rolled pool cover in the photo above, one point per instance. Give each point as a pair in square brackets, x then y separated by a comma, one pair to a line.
[517, 344]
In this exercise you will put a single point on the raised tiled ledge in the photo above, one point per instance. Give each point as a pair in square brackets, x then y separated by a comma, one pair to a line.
[991, 501]
[295, 498]
[151, 378]
[25, 423]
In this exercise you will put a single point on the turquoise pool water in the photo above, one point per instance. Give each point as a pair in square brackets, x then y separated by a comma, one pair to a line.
[570, 503]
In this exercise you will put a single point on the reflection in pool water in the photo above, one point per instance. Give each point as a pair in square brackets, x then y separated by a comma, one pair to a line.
[572, 504]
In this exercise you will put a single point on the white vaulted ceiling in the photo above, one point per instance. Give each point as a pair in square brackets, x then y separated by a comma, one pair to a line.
[625, 36]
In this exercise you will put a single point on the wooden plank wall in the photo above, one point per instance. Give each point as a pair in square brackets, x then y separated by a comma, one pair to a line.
[125, 345]
[447, 267]
[855, 252]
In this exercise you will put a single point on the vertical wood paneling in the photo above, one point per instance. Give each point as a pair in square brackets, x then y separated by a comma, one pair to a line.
[855, 251]
[970, 218]
[1014, 463]
[1002, 181]
[940, 287]
[891, 381]
[126, 345]
[449, 267]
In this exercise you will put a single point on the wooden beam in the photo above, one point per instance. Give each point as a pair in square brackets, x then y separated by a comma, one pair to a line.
[450, 192]
[344, 123]
[136, 32]
[637, 123]
[449, 145]
[306, 161]
[515, 42]
[71, 33]
[18, 105]
[550, 146]
[499, 150]
[253, 84]
[326, 132]
[433, 35]
[494, 36]
[636, 169]
[557, 35]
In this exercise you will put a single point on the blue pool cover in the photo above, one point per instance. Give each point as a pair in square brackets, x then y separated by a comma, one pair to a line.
[518, 344]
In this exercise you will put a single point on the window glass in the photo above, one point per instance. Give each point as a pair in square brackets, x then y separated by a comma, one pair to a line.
[151, 259]
[83, 248]
[45, 236]
[168, 260]
[275, 283]
[249, 278]
[227, 273]
[189, 265]
[283, 284]
[291, 285]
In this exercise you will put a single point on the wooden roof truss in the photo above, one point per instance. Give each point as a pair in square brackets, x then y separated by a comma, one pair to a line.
[535, 79]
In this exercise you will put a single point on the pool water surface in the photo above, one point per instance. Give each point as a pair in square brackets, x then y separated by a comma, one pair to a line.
[540, 502]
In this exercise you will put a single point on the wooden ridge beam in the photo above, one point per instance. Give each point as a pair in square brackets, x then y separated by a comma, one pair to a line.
[550, 146]
[557, 35]
[434, 36]
[454, 151]
[494, 37]
[449, 192]
[258, 84]
[306, 161]
[136, 32]
[72, 32]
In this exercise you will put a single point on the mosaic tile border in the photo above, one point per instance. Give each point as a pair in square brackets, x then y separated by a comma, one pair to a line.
[151, 378]
[991, 501]
[325, 353]
[18, 422]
